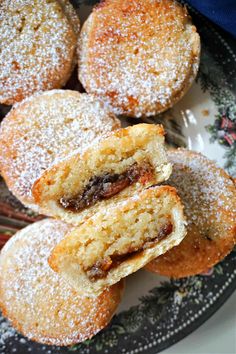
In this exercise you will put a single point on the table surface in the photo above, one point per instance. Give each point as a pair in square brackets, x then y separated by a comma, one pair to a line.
[215, 336]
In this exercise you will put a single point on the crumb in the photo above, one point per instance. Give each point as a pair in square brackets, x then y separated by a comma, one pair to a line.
[205, 112]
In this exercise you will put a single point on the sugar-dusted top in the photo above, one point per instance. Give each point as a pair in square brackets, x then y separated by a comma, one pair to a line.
[140, 56]
[45, 128]
[207, 192]
[209, 198]
[71, 14]
[39, 302]
[38, 43]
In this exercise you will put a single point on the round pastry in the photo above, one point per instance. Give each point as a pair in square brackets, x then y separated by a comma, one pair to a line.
[118, 241]
[38, 46]
[39, 303]
[209, 197]
[117, 166]
[139, 56]
[45, 127]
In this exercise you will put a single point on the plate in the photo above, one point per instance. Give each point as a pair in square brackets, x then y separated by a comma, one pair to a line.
[156, 312]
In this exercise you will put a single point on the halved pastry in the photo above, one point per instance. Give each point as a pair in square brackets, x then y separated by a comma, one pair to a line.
[126, 161]
[120, 240]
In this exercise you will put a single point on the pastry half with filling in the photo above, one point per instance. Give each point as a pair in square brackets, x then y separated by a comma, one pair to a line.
[120, 240]
[114, 168]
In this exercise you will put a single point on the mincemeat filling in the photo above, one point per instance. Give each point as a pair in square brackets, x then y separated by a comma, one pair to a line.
[106, 186]
[101, 268]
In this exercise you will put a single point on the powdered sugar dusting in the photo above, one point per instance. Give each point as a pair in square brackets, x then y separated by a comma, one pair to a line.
[209, 196]
[139, 56]
[71, 14]
[42, 305]
[45, 128]
[38, 45]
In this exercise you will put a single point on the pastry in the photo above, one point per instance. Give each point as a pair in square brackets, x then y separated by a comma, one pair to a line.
[209, 197]
[46, 127]
[71, 14]
[139, 56]
[38, 302]
[127, 160]
[38, 46]
[119, 240]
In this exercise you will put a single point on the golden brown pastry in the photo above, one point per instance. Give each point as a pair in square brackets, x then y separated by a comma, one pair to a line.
[209, 198]
[38, 302]
[38, 46]
[139, 56]
[47, 127]
[126, 161]
[119, 240]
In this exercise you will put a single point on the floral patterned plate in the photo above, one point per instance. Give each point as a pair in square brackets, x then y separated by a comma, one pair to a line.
[156, 312]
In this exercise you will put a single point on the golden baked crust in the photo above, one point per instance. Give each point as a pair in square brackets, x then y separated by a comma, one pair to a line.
[137, 150]
[39, 303]
[140, 56]
[45, 127]
[118, 241]
[38, 46]
[209, 197]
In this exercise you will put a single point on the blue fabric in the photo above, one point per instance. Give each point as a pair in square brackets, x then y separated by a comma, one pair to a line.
[222, 12]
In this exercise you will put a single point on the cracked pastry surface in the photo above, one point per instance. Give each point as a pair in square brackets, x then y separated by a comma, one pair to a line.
[44, 128]
[209, 198]
[39, 303]
[139, 56]
[119, 240]
[125, 161]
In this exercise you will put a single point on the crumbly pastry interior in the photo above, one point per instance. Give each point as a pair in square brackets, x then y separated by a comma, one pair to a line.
[44, 129]
[125, 161]
[209, 198]
[39, 303]
[116, 242]
[97, 256]
[140, 56]
[38, 46]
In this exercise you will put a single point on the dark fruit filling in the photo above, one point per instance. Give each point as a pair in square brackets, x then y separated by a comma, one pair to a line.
[100, 269]
[105, 186]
